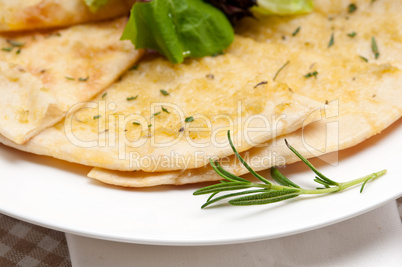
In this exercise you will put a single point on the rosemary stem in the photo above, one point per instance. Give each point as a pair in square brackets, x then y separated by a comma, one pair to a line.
[362, 179]
[345, 185]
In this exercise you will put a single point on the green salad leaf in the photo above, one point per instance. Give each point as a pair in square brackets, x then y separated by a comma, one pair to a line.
[283, 7]
[94, 5]
[179, 28]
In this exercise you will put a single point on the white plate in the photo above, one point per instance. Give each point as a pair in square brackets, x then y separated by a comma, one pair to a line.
[58, 195]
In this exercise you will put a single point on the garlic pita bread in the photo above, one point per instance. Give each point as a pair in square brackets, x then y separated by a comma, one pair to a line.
[22, 15]
[361, 98]
[43, 75]
[163, 116]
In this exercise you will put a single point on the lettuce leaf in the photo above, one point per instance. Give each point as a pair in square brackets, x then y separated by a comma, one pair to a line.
[179, 28]
[234, 10]
[283, 7]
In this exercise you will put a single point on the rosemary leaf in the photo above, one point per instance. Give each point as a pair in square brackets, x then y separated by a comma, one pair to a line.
[317, 180]
[218, 171]
[319, 174]
[247, 192]
[210, 197]
[223, 187]
[362, 188]
[228, 174]
[265, 198]
[281, 179]
[245, 164]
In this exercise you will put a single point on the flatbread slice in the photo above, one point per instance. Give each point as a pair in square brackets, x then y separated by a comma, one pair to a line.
[162, 116]
[43, 75]
[22, 15]
[27, 106]
[361, 98]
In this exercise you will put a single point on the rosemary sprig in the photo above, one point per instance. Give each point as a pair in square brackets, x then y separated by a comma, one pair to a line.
[250, 193]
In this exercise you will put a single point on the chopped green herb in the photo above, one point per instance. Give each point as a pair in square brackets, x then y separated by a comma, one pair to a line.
[165, 110]
[7, 49]
[136, 123]
[189, 119]
[156, 114]
[365, 59]
[374, 47]
[164, 92]
[352, 34]
[311, 74]
[15, 43]
[260, 83]
[134, 67]
[70, 78]
[352, 8]
[332, 40]
[81, 79]
[132, 98]
[97, 117]
[296, 31]
[105, 94]
[280, 69]
[18, 51]
[149, 125]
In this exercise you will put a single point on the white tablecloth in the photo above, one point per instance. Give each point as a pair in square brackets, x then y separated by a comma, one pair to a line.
[371, 239]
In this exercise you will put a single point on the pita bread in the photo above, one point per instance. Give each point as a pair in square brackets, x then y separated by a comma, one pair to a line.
[363, 97]
[178, 130]
[44, 74]
[18, 15]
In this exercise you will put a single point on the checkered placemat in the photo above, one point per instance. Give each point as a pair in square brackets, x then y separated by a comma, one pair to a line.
[26, 245]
